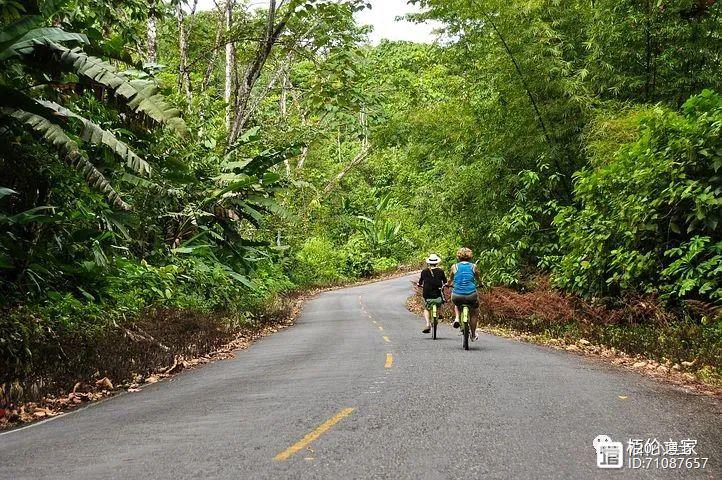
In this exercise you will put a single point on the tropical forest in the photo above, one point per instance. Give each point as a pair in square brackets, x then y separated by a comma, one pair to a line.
[177, 179]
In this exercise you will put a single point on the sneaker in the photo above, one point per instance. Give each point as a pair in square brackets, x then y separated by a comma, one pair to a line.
[456, 323]
[475, 337]
[426, 330]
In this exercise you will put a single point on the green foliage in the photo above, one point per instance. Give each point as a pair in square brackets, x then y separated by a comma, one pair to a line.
[648, 219]
[36, 54]
[543, 135]
[319, 261]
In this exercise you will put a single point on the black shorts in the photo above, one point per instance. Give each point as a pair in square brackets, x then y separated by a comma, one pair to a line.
[471, 300]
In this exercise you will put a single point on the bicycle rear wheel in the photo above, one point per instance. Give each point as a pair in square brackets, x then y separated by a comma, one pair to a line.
[465, 325]
[434, 320]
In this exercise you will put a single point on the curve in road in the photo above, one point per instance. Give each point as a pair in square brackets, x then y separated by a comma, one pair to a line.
[355, 390]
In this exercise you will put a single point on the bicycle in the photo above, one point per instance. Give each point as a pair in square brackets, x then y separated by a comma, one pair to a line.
[464, 324]
[464, 328]
[434, 312]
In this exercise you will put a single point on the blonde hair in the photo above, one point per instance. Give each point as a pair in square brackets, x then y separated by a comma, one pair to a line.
[464, 254]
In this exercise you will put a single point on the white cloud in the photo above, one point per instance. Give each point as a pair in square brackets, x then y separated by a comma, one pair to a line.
[382, 17]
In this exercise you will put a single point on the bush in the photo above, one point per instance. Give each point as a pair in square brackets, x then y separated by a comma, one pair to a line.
[384, 264]
[650, 218]
[318, 261]
[358, 258]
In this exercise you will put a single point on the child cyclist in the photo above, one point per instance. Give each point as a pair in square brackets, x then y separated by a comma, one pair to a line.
[432, 281]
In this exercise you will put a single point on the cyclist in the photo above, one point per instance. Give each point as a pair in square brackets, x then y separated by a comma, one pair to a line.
[463, 281]
[432, 281]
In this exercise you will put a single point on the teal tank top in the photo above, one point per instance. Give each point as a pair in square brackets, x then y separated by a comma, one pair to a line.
[464, 281]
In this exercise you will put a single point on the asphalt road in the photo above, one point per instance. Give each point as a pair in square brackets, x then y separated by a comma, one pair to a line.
[339, 396]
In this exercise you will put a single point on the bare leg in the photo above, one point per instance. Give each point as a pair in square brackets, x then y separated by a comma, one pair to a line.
[456, 312]
[426, 317]
[473, 320]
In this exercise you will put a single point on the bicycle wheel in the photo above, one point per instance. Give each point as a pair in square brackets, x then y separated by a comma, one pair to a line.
[434, 323]
[465, 325]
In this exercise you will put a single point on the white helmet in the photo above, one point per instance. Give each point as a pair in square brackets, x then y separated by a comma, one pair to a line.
[433, 259]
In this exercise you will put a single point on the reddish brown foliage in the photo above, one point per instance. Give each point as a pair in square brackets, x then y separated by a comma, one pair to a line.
[547, 305]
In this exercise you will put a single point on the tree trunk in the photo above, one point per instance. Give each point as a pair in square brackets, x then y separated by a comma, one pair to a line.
[304, 123]
[152, 33]
[283, 107]
[184, 80]
[230, 63]
[283, 100]
[250, 77]
[214, 54]
[362, 155]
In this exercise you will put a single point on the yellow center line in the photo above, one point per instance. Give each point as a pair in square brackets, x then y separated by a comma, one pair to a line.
[320, 430]
[387, 339]
[389, 360]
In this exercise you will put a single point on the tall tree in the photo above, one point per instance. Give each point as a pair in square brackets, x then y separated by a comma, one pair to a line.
[272, 33]
[230, 62]
[152, 33]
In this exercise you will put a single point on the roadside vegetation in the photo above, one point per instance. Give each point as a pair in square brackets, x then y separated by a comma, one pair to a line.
[170, 174]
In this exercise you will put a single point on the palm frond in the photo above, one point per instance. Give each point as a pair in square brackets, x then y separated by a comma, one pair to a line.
[69, 151]
[27, 42]
[15, 99]
[11, 33]
[95, 134]
[141, 96]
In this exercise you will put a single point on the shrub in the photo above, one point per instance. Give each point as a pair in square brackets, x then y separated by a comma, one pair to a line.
[649, 219]
[384, 264]
[318, 261]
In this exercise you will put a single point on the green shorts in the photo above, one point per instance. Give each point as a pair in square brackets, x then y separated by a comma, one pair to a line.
[433, 301]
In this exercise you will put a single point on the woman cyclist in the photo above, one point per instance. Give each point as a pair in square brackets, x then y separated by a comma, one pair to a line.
[463, 281]
[432, 281]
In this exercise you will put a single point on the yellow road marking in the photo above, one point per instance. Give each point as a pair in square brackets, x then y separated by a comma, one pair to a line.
[389, 360]
[381, 328]
[320, 430]
[387, 339]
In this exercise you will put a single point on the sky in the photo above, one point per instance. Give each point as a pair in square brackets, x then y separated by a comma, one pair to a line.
[382, 16]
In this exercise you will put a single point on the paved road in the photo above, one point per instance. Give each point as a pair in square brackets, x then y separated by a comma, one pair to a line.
[504, 410]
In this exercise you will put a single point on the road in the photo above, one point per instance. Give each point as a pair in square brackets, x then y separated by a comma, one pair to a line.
[354, 390]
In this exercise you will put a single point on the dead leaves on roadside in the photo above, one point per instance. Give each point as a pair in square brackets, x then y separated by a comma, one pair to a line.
[679, 374]
[83, 393]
